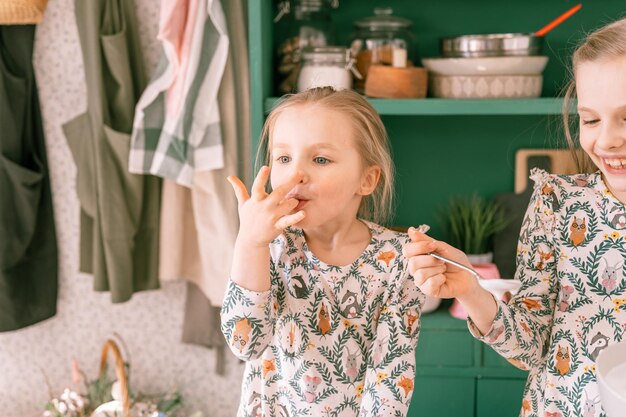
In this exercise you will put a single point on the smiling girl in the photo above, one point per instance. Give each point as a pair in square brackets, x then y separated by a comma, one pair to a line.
[573, 305]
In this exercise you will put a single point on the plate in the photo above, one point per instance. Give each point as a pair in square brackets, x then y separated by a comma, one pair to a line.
[499, 65]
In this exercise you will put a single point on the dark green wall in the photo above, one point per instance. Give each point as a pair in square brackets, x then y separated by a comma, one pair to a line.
[440, 156]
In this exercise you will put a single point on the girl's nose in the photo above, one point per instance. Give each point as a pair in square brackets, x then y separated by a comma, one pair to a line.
[304, 178]
[611, 136]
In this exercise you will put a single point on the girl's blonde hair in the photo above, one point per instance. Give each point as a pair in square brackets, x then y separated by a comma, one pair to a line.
[608, 42]
[369, 134]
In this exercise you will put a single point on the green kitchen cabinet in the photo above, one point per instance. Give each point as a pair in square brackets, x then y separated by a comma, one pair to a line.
[443, 396]
[440, 348]
[444, 148]
[456, 374]
[499, 396]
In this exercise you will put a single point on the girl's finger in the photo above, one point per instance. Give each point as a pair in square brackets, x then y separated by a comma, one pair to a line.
[258, 186]
[433, 285]
[423, 261]
[240, 189]
[289, 220]
[417, 236]
[418, 248]
[287, 206]
[422, 275]
[280, 192]
[451, 252]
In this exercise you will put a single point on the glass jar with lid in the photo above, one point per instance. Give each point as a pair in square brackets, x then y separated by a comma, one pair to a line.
[300, 24]
[325, 66]
[382, 39]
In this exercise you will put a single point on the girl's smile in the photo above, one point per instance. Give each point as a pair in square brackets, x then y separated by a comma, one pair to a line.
[614, 165]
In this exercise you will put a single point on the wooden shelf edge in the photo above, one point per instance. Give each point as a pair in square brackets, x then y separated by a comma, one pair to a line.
[458, 107]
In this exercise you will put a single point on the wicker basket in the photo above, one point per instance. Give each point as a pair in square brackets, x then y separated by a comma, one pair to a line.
[120, 371]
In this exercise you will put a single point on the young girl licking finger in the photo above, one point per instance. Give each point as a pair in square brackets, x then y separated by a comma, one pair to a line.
[320, 304]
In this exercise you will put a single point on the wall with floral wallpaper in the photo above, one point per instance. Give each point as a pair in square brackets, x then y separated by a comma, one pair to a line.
[151, 323]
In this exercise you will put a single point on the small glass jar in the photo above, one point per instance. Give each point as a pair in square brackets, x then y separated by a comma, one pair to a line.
[325, 66]
[382, 39]
[300, 24]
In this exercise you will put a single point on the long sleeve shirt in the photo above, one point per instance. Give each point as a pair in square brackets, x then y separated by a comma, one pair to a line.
[327, 340]
[572, 303]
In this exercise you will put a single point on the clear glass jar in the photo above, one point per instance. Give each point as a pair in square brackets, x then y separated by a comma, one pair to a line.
[300, 24]
[325, 66]
[382, 39]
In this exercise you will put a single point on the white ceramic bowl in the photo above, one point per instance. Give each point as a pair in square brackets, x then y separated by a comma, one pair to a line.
[611, 373]
[497, 65]
[498, 287]
[485, 86]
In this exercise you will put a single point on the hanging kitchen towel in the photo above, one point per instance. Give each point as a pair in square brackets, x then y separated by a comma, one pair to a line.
[21, 12]
[28, 249]
[119, 210]
[199, 224]
[176, 129]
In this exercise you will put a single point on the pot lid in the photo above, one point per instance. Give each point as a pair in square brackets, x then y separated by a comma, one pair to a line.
[383, 19]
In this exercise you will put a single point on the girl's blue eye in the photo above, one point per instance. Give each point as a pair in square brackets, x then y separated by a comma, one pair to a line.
[283, 159]
[321, 160]
[590, 122]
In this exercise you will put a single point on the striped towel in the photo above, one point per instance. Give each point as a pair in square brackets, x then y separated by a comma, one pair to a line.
[176, 129]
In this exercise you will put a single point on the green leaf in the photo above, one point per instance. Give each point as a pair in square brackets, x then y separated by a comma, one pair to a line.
[471, 223]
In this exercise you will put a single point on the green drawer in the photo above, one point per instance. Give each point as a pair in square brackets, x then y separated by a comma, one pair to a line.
[442, 397]
[445, 348]
[499, 397]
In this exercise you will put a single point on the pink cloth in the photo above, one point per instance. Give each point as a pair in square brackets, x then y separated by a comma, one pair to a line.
[176, 29]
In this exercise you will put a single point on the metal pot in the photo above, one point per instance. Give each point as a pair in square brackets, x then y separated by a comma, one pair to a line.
[494, 44]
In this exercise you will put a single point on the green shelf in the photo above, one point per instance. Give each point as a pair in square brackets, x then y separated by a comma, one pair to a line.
[459, 107]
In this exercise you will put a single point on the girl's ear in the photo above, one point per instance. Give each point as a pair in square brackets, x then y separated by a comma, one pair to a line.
[370, 179]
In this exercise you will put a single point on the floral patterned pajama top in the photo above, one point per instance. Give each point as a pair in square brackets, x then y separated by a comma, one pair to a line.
[572, 303]
[327, 340]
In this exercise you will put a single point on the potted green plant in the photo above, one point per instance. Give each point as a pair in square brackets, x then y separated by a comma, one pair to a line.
[470, 223]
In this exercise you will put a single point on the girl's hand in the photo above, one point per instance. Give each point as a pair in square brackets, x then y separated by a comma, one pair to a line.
[263, 216]
[433, 276]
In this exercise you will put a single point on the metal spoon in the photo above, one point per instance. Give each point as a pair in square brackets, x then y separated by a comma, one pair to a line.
[425, 228]
[458, 265]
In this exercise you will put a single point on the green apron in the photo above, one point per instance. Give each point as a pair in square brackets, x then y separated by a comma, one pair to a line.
[28, 249]
[119, 217]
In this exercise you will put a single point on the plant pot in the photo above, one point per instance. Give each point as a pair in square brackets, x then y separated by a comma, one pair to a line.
[480, 259]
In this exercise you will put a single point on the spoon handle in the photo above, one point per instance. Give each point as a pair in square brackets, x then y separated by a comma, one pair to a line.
[457, 264]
